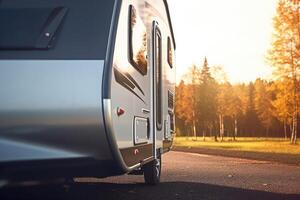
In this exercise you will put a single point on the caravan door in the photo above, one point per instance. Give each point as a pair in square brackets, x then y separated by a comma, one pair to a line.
[157, 86]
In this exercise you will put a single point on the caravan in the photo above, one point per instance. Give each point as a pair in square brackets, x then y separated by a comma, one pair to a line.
[86, 88]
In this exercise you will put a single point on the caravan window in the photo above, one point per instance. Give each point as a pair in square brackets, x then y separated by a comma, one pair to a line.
[170, 53]
[54, 30]
[158, 64]
[29, 28]
[137, 41]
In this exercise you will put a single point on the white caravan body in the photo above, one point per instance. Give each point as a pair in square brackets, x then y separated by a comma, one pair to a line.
[87, 88]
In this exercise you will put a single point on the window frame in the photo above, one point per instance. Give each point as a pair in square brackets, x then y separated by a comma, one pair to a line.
[158, 79]
[170, 49]
[142, 71]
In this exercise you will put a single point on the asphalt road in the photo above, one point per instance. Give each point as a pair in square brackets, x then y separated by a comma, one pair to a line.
[184, 176]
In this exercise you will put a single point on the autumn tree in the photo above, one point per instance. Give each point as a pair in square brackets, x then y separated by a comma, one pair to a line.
[190, 99]
[263, 104]
[284, 54]
[219, 74]
[223, 102]
[180, 105]
[184, 106]
[283, 108]
[208, 92]
[235, 110]
[251, 118]
[241, 109]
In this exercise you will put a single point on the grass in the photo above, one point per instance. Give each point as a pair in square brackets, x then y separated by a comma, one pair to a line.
[266, 145]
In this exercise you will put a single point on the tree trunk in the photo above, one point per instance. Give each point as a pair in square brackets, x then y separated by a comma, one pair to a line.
[194, 126]
[291, 130]
[220, 119]
[216, 137]
[284, 126]
[294, 129]
[221, 126]
[235, 129]
[188, 132]
[204, 135]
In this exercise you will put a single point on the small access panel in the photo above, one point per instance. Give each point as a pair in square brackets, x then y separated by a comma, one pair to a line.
[141, 130]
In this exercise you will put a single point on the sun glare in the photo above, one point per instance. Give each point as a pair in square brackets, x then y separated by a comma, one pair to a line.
[234, 34]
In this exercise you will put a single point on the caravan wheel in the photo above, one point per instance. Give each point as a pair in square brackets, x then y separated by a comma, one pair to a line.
[152, 171]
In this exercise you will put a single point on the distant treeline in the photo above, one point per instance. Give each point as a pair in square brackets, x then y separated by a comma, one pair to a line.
[205, 107]
[208, 105]
[243, 110]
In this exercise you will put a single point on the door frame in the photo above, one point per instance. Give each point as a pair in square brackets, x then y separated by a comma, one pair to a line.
[154, 126]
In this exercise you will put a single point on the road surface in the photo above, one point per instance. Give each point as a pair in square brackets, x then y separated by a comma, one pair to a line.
[185, 176]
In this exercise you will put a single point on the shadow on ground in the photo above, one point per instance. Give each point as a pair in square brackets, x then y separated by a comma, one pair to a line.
[165, 191]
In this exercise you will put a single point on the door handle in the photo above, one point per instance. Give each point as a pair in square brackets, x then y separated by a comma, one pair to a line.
[146, 111]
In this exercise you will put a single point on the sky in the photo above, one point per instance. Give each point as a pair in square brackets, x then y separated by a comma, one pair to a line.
[234, 34]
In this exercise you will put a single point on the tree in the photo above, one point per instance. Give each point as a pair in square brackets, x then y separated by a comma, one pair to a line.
[190, 99]
[250, 115]
[263, 104]
[181, 120]
[284, 54]
[208, 93]
[184, 107]
[235, 110]
[219, 74]
[223, 102]
[282, 105]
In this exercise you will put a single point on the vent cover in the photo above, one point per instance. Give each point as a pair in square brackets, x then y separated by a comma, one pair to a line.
[170, 100]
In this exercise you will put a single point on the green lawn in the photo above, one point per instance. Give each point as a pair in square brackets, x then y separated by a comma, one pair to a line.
[269, 145]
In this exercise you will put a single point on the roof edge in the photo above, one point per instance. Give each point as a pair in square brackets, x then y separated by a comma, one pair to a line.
[170, 22]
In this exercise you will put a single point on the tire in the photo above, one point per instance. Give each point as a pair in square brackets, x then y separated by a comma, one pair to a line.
[152, 171]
